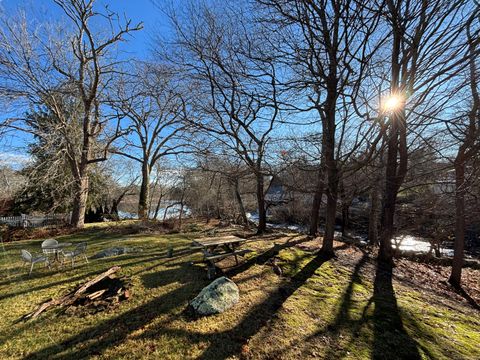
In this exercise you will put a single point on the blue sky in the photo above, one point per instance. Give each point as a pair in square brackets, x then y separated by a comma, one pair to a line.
[146, 11]
[155, 23]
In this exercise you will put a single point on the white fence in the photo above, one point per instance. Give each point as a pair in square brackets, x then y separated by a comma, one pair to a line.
[32, 221]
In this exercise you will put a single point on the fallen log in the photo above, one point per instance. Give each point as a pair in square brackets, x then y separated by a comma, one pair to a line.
[103, 289]
[95, 280]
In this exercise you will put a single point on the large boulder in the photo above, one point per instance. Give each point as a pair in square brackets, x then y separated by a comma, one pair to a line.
[215, 298]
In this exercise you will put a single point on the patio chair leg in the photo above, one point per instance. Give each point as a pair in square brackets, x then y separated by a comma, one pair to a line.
[31, 268]
[85, 256]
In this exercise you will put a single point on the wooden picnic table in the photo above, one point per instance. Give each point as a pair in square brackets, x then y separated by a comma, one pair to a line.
[217, 248]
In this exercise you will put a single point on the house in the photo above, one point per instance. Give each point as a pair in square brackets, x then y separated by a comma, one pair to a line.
[277, 193]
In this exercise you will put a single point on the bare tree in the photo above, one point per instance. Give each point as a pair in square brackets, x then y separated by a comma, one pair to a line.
[469, 140]
[328, 45]
[426, 52]
[225, 55]
[55, 67]
[151, 100]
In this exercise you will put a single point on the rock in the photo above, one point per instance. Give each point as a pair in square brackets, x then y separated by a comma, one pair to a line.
[115, 251]
[215, 298]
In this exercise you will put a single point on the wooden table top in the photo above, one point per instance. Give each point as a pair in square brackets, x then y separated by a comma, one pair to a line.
[221, 240]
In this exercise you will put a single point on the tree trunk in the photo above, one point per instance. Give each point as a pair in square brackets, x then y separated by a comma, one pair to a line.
[390, 197]
[317, 202]
[373, 216]
[396, 148]
[345, 209]
[262, 213]
[238, 199]
[180, 216]
[328, 147]
[80, 201]
[327, 247]
[217, 201]
[157, 208]
[144, 193]
[468, 149]
[345, 217]
[460, 189]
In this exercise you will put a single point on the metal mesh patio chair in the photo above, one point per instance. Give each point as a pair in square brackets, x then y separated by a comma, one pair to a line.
[47, 243]
[28, 258]
[79, 251]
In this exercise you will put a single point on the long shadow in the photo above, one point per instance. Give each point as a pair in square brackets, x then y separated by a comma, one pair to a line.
[142, 259]
[462, 292]
[49, 285]
[262, 258]
[342, 318]
[258, 317]
[391, 341]
[94, 340]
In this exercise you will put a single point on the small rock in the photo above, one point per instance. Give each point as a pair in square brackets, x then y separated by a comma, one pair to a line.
[215, 298]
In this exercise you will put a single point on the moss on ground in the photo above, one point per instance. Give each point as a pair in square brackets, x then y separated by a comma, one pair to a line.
[318, 309]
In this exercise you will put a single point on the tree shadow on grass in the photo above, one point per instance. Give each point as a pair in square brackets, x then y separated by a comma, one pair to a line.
[259, 316]
[463, 293]
[108, 334]
[342, 318]
[262, 258]
[391, 340]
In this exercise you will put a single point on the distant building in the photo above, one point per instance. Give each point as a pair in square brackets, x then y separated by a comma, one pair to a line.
[277, 193]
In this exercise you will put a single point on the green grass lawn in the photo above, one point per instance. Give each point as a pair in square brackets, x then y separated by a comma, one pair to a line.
[335, 309]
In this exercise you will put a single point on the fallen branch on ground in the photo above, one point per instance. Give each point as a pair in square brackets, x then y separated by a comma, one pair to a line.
[97, 294]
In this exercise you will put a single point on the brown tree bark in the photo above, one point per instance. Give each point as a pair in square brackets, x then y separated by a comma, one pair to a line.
[317, 202]
[396, 169]
[466, 151]
[262, 212]
[80, 202]
[328, 148]
[373, 216]
[238, 199]
[460, 190]
[144, 192]
[396, 166]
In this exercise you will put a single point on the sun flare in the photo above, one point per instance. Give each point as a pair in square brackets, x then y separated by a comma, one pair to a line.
[392, 103]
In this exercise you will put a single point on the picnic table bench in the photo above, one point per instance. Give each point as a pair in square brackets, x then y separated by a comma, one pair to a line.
[217, 248]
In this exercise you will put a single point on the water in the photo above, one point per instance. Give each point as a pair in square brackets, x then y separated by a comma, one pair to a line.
[253, 217]
[172, 212]
[417, 244]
